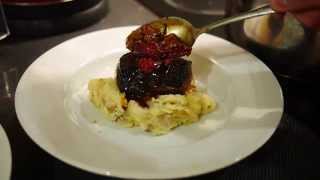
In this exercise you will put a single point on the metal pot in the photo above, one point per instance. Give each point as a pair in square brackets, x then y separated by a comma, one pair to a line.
[284, 44]
[46, 17]
[34, 2]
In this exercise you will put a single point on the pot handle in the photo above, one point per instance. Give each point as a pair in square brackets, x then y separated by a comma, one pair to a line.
[4, 29]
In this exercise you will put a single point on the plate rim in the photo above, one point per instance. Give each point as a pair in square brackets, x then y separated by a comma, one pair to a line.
[8, 150]
[99, 171]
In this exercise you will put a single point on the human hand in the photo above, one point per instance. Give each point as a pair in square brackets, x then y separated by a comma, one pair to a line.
[306, 11]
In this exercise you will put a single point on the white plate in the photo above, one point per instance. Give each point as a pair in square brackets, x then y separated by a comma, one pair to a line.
[5, 156]
[53, 108]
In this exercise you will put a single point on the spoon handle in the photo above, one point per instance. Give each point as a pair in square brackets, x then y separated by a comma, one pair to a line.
[262, 10]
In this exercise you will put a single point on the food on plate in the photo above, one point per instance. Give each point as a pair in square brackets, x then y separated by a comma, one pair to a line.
[150, 40]
[142, 78]
[161, 114]
[154, 87]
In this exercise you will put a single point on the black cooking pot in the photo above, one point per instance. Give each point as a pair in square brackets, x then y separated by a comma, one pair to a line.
[283, 43]
[45, 17]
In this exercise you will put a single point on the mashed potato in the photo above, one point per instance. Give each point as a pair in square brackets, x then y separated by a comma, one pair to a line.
[163, 114]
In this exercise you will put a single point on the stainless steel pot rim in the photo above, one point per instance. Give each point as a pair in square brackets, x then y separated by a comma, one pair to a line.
[45, 3]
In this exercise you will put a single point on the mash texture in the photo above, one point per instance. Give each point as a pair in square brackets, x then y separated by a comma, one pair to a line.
[162, 115]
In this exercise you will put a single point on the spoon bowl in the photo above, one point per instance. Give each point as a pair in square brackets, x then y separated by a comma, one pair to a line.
[187, 33]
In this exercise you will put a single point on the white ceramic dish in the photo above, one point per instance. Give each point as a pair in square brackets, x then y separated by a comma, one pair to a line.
[53, 108]
[5, 156]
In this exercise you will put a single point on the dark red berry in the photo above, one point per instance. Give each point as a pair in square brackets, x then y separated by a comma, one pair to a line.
[146, 65]
[150, 41]
[167, 61]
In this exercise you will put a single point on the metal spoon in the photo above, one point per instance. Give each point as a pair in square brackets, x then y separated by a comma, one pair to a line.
[187, 33]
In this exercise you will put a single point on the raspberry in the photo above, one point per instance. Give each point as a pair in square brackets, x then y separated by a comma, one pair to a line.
[167, 61]
[147, 48]
[146, 65]
[152, 42]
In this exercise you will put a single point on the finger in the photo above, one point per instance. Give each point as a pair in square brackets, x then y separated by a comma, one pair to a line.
[310, 19]
[294, 5]
[279, 5]
[302, 5]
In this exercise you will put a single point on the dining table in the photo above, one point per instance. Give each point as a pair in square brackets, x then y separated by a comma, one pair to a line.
[291, 153]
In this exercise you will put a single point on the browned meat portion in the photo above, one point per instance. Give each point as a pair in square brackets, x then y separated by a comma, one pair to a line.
[141, 77]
